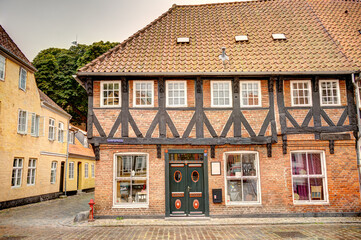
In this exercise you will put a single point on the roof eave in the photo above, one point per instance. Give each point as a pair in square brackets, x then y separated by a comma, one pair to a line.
[16, 58]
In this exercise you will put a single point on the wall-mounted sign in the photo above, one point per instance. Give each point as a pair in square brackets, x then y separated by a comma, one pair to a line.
[216, 168]
[115, 140]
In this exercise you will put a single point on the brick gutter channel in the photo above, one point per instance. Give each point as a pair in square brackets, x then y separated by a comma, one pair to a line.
[213, 221]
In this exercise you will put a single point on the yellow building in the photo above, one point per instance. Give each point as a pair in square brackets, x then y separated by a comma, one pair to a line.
[81, 162]
[33, 133]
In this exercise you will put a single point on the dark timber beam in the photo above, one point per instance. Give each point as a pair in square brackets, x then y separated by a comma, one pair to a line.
[199, 107]
[316, 107]
[281, 105]
[125, 107]
[237, 128]
[162, 113]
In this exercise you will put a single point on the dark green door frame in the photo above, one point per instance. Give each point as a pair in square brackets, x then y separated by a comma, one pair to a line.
[205, 178]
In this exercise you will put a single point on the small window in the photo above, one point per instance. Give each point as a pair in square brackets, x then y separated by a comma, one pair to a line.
[308, 177]
[182, 40]
[143, 93]
[130, 182]
[51, 129]
[93, 170]
[2, 68]
[22, 79]
[330, 92]
[61, 132]
[86, 170]
[241, 38]
[242, 178]
[301, 93]
[280, 36]
[110, 94]
[71, 137]
[17, 172]
[250, 94]
[221, 94]
[86, 144]
[176, 93]
[22, 122]
[53, 173]
[35, 123]
[71, 170]
[31, 171]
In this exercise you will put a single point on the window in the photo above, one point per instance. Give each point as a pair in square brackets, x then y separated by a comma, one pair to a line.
[130, 183]
[110, 94]
[86, 142]
[53, 172]
[71, 137]
[143, 94]
[61, 132]
[17, 172]
[22, 79]
[35, 123]
[93, 171]
[176, 93]
[22, 120]
[330, 92]
[301, 93]
[221, 94]
[86, 170]
[242, 178]
[250, 94]
[71, 170]
[51, 129]
[308, 177]
[31, 171]
[2, 68]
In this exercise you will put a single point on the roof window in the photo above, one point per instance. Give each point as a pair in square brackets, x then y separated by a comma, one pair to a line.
[183, 40]
[241, 38]
[277, 36]
[359, 31]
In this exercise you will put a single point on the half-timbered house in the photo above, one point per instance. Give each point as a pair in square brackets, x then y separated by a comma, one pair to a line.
[226, 109]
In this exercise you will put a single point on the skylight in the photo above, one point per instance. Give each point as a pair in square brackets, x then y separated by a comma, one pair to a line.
[241, 38]
[278, 36]
[183, 40]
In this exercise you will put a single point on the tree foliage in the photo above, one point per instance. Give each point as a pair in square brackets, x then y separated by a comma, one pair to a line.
[54, 76]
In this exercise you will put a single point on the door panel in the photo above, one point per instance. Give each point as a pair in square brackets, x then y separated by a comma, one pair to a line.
[195, 193]
[177, 180]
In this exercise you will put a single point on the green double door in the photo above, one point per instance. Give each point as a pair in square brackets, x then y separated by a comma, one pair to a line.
[186, 188]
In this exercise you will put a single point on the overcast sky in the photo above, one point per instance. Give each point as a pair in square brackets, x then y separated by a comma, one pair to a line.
[39, 24]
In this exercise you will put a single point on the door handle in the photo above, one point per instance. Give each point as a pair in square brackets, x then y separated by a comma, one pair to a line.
[189, 188]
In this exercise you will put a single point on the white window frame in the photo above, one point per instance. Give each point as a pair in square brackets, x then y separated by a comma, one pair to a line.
[337, 92]
[324, 174]
[115, 178]
[2, 65]
[258, 176]
[309, 89]
[53, 172]
[25, 122]
[21, 74]
[61, 132]
[259, 94]
[93, 170]
[185, 93]
[31, 172]
[18, 169]
[102, 94]
[134, 94]
[230, 94]
[71, 137]
[71, 170]
[51, 126]
[35, 125]
[86, 170]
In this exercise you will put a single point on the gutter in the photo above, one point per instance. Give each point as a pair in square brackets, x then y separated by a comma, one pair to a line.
[67, 157]
[19, 60]
[358, 143]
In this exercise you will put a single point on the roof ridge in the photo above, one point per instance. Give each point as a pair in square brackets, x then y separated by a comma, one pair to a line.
[12, 41]
[124, 43]
[222, 3]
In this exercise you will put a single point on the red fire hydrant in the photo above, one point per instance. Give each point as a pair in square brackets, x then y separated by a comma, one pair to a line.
[91, 214]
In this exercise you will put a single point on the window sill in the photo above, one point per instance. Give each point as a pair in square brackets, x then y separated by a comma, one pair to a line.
[15, 187]
[311, 203]
[110, 106]
[243, 204]
[22, 133]
[131, 206]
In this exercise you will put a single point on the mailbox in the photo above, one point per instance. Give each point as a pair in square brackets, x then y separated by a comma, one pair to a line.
[217, 195]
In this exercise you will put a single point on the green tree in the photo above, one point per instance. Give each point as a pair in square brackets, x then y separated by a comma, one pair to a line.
[54, 76]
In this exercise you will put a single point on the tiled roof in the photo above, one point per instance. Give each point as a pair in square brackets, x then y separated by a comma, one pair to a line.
[309, 47]
[49, 101]
[77, 148]
[7, 43]
[342, 19]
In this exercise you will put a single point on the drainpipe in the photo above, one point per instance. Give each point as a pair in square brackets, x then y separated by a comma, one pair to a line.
[67, 157]
[358, 144]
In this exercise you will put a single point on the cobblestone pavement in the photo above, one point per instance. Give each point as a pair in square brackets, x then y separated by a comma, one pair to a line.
[53, 220]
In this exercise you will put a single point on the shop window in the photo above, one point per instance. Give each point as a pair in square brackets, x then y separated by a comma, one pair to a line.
[308, 177]
[131, 184]
[31, 171]
[242, 178]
